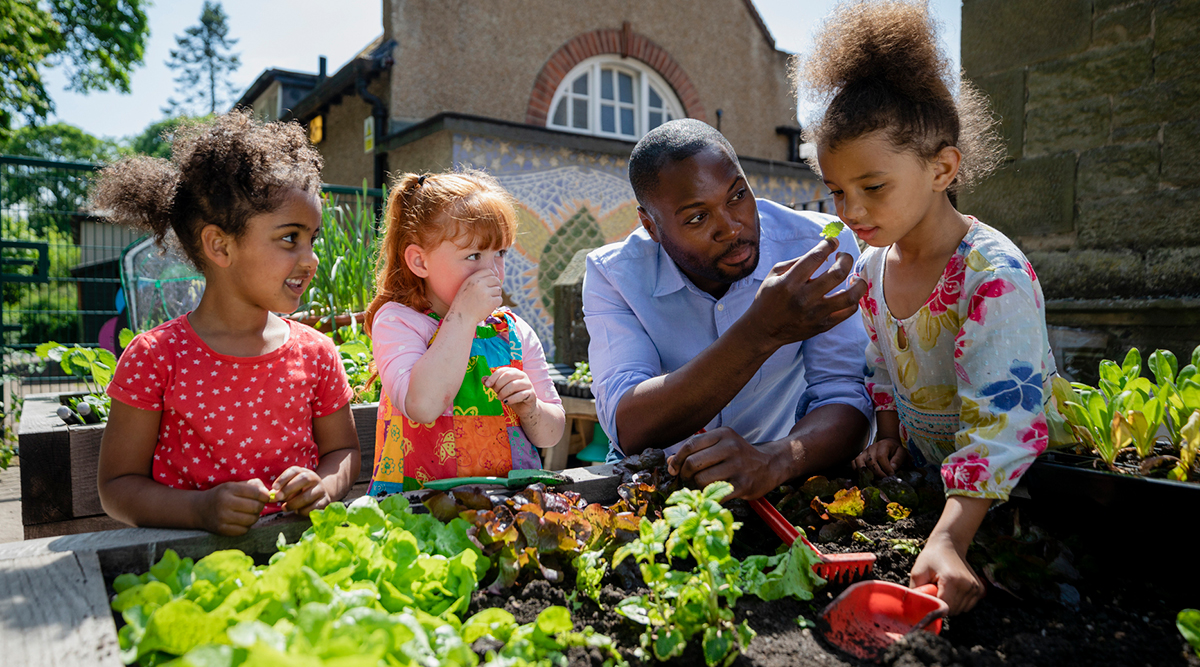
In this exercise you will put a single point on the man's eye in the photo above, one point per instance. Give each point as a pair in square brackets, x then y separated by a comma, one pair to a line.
[835, 193]
[873, 188]
[741, 194]
[694, 220]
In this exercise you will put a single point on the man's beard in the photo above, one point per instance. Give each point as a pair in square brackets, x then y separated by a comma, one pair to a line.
[696, 266]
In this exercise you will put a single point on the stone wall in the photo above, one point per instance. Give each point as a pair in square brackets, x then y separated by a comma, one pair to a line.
[1100, 108]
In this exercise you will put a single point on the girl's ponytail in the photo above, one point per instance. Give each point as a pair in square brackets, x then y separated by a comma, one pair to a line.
[140, 191]
[393, 280]
[879, 68]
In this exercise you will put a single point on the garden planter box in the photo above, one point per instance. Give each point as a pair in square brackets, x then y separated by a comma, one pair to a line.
[59, 463]
[54, 605]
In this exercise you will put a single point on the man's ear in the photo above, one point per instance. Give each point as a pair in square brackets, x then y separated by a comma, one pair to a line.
[945, 167]
[216, 246]
[648, 223]
[414, 257]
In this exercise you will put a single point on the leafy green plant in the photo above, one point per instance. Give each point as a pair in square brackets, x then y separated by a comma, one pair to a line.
[582, 375]
[347, 249]
[682, 603]
[357, 359]
[371, 583]
[1188, 622]
[542, 642]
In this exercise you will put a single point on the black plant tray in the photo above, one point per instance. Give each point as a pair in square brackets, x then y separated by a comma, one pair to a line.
[559, 374]
[1058, 474]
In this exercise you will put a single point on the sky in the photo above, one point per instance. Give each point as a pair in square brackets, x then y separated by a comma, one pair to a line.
[291, 34]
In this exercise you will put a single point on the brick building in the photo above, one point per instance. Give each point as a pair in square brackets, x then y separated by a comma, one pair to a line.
[549, 97]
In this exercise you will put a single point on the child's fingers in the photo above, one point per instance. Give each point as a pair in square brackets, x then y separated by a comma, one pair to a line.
[300, 481]
[519, 397]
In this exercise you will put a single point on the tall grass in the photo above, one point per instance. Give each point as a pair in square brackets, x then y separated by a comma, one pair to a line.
[347, 249]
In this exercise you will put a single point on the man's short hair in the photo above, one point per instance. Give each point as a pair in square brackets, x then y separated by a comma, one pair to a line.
[670, 142]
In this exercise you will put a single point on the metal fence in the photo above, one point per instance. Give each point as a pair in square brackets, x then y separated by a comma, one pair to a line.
[60, 268]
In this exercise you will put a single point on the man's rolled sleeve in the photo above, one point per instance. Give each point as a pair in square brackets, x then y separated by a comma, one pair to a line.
[834, 360]
[621, 354]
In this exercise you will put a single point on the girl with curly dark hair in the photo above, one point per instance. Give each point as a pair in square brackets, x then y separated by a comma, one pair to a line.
[958, 362]
[228, 412]
[466, 387]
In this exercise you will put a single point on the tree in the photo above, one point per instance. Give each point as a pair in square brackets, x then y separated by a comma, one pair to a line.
[59, 141]
[98, 41]
[204, 61]
[155, 140]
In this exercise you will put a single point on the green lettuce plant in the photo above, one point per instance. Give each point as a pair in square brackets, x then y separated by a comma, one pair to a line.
[1188, 622]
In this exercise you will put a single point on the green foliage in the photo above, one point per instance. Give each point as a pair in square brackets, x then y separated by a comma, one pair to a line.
[682, 603]
[93, 365]
[537, 532]
[1129, 410]
[832, 230]
[357, 358]
[155, 140]
[347, 249]
[59, 141]
[98, 42]
[582, 375]
[204, 61]
[360, 586]
[1188, 622]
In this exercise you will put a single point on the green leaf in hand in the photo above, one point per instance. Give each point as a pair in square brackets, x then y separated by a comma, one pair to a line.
[832, 230]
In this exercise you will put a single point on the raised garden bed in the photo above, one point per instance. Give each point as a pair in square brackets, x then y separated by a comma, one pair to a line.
[59, 463]
[1068, 604]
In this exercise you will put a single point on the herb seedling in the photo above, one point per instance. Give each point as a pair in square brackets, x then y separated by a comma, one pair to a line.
[684, 603]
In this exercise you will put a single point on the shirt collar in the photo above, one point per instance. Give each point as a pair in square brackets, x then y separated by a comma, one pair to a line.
[670, 279]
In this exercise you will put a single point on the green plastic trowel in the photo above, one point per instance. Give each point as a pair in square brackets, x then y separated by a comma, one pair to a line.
[516, 479]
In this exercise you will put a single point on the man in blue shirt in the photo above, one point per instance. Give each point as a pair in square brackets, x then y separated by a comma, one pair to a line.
[709, 317]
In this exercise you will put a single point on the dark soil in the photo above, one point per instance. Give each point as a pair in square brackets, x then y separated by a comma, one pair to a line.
[1123, 613]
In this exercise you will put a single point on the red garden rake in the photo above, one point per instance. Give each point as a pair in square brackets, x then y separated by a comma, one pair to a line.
[833, 567]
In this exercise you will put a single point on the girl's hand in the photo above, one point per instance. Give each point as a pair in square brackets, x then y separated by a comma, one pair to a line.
[941, 562]
[478, 296]
[513, 387]
[231, 508]
[884, 457]
[300, 490]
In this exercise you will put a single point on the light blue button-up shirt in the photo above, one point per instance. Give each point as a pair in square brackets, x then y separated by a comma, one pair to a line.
[646, 318]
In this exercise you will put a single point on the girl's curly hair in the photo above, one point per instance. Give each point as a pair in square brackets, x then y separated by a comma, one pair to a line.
[424, 210]
[879, 67]
[221, 172]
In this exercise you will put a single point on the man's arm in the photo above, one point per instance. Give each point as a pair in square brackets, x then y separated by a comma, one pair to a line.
[790, 306]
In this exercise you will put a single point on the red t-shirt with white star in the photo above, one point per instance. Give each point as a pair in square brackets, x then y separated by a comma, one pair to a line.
[230, 418]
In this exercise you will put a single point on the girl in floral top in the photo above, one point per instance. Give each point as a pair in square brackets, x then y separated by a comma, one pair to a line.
[958, 363]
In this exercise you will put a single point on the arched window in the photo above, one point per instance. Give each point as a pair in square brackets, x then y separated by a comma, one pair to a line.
[613, 97]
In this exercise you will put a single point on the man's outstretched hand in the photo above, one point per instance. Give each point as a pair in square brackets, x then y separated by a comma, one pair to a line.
[791, 305]
[722, 454]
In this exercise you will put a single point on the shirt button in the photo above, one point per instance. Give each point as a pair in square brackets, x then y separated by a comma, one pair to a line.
[720, 306]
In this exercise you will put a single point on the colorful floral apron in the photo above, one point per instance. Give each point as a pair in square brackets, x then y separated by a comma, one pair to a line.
[483, 437]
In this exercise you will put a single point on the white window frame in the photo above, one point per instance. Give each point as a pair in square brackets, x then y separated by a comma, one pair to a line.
[644, 77]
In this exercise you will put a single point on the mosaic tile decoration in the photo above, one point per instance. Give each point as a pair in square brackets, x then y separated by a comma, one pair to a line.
[570, 199]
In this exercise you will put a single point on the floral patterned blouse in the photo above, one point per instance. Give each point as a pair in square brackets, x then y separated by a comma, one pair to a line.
[970, 372]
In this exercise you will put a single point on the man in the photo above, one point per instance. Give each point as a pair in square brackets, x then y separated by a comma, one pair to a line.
[709, 317]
